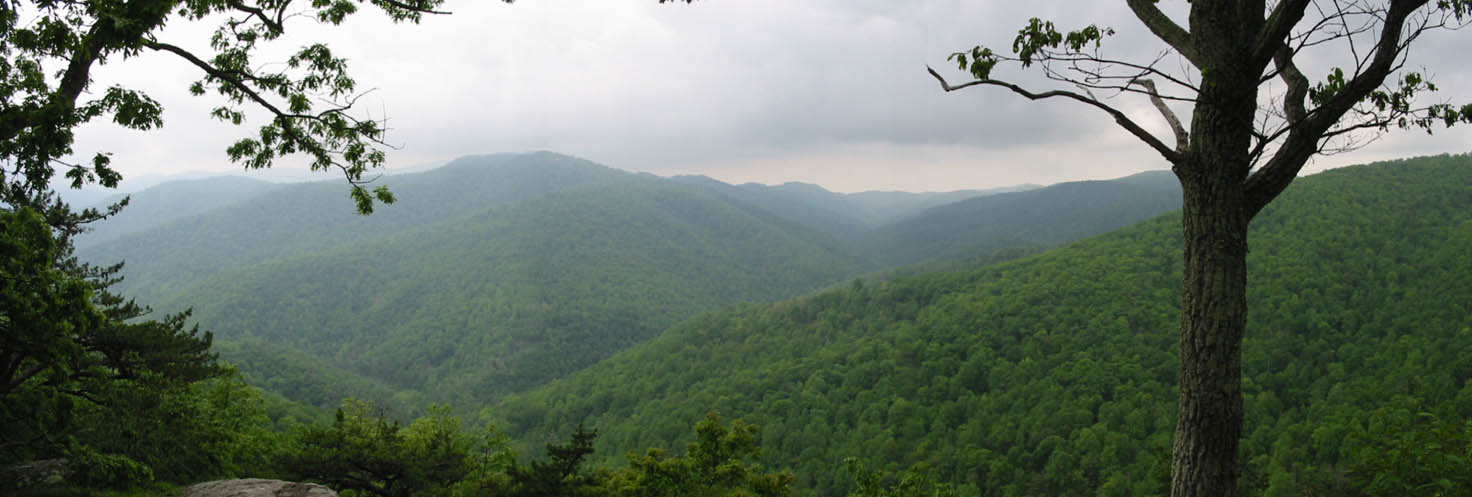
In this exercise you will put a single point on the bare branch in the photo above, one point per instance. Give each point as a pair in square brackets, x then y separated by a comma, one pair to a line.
[1119, 117]
[1091, 76]
[1285, 15]
[1305, 134]
[1293, 100]
[1182, 138]
[1164, 28]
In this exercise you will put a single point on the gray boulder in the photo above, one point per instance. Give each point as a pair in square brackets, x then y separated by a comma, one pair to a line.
[257, 488]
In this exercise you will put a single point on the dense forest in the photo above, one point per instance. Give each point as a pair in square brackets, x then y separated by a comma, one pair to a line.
[1054, 375]
[1041, 217]
[566, 280]
[498, 273]
[1007, 372]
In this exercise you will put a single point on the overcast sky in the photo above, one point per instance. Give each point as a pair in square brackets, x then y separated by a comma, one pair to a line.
[832, 92]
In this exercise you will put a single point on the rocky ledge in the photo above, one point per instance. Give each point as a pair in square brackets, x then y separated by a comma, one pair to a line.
[257, 488]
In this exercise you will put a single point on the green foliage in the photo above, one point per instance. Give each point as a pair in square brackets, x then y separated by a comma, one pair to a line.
[308, 386]
[545, 263]
[45, 313]
[302, 219]
[561, 474]
[128, 402]
[169, 202]
[200, 431]
[554, 264]
[1036, 41]
[71, 345]
[99, 470]
[913, 483]
[715, 464]
[364, 453]
[1040, 35]
[308, 98]
[1400, 450]
[845, 216]
[1036, 218]
[1055, 374]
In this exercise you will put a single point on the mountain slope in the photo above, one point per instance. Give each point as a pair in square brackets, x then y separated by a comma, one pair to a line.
[844, 215]
[167, 202]
[300, 219]
[1054, 374]
[1044, 217]
[508, 297]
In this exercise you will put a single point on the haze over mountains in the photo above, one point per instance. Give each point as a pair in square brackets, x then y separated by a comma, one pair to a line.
[494, 274]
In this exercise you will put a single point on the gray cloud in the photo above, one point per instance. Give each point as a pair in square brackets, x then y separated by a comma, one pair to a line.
[830, 91]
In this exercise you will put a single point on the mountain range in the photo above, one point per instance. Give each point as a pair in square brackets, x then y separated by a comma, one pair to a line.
[495, 274]
[1055, 374]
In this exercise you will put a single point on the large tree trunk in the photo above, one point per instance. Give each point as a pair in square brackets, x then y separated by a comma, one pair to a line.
[1214, 292]
[1213, 317]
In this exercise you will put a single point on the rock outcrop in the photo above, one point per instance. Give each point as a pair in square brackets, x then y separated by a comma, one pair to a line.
[257, 488]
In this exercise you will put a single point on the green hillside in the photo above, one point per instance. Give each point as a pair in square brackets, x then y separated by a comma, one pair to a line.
[844, 215]
[508, 297]
[301, 219]
[171, 201]
[1035, 218]
[302, 378]
[1054, 374]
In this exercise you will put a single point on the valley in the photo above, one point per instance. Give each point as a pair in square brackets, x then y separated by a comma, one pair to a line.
[526, 268]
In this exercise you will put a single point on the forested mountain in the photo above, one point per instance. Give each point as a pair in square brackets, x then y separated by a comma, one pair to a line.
[167, 202]
[508, 297]
[492, 274]
[300, 219]
[1055, 374]
[901, 228]
[1035, 218]
[847, 216]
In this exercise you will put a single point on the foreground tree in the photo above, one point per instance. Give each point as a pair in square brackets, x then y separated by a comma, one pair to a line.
[1256, 119]
[67, 343]
[718, 464]
[308, 98]
[365, 452]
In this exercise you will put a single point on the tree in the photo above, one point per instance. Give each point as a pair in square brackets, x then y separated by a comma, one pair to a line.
[308, 98]
[561, 474]
[1401, 450]
[65, 339]
[1255, 121]
[912, 483]
[370, 454]
[714, 465]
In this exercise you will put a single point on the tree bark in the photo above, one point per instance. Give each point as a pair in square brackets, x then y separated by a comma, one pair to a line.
[1213, 318]
[1213, 172]
[1213, 307]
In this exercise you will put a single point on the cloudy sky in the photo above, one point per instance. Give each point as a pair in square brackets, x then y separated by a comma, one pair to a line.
[832, 92]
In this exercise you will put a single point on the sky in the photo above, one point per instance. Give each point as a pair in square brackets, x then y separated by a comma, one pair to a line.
[832, 92]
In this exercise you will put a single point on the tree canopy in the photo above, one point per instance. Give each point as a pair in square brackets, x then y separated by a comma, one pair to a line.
[68, 341]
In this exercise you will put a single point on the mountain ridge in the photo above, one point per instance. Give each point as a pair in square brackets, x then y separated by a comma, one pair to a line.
[1054, 374]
